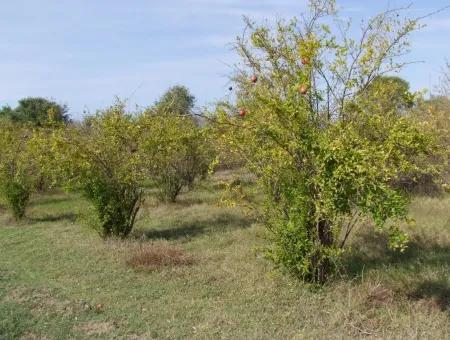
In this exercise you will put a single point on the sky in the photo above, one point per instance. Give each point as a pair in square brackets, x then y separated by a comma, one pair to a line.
[84, 53]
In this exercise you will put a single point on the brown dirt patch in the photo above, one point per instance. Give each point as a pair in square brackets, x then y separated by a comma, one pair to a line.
[379, 296]
[158, 255]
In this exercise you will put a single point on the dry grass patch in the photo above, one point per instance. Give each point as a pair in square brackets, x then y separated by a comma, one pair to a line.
[380, 296]
[36, 296]
[144, 336]
[32, 336]
[40, 300]
[157, 255]
[92, 328]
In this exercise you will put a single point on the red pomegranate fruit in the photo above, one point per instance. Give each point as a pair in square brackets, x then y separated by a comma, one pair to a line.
[303, 89]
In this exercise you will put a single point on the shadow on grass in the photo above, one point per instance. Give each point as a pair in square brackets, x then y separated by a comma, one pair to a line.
[54, 218]
[189, 229]
[189, 201]
[438, 291]
[2, 209]
[371, 252]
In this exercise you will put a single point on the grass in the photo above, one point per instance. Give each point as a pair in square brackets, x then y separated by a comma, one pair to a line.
[59, 279]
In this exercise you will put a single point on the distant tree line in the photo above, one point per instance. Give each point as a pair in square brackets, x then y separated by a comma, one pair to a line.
[36, 111]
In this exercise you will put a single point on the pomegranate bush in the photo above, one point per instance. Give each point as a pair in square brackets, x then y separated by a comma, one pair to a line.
[324, 159]
[18, 169]
[101, 158]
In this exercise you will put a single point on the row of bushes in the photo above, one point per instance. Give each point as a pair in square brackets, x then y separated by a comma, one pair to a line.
[108, 157]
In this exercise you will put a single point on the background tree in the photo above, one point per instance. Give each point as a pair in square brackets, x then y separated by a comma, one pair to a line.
[183, 152]
[387, 94]
[6, 113]
[322, 158]
[185, 149]
[435, 113]
[176, 101]
[37, 111]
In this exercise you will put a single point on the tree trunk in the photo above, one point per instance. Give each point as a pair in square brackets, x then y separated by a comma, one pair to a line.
[326, 240]
[325, 234]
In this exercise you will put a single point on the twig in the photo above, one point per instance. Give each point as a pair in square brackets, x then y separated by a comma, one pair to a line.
[360, 330]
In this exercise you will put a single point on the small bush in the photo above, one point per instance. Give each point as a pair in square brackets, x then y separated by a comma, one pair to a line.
[159, 255]
[170, 184]
[18, 171]
[102, 160]
[182, 152]
[16, 196]
[116, 207]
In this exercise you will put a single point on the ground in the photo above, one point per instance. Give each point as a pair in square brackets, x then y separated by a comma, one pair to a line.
[59, 279]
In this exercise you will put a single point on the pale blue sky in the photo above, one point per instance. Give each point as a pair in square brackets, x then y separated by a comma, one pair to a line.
[84, 52]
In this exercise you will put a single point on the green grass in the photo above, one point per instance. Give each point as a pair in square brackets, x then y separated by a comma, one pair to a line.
[54, 270]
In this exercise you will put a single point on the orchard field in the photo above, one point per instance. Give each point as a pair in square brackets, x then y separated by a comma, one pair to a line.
[60, 280]
[310, 202]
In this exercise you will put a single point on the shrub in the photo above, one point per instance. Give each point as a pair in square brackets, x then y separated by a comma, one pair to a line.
[170, 183]
[17, 196]
[18, 170]
[103, 160]
[183, 152]
[322, 158]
